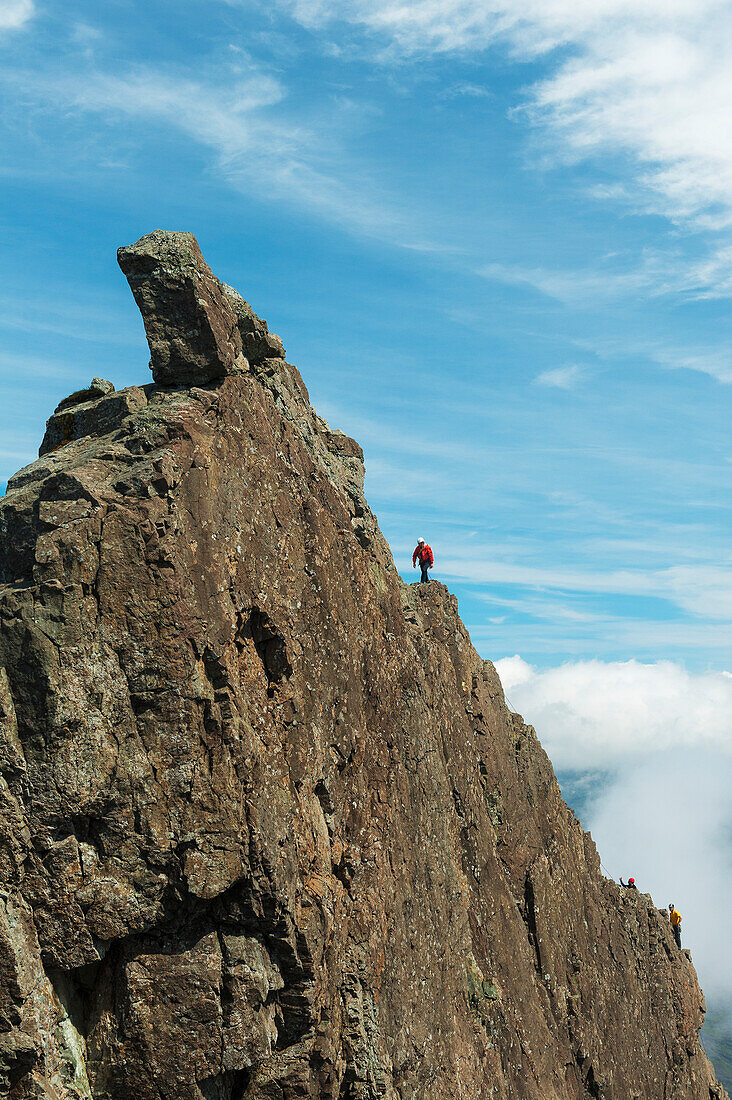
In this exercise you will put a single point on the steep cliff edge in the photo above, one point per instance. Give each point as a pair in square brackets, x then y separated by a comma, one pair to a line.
[268, 827]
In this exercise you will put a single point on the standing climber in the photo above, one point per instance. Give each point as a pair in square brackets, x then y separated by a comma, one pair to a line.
[426, 559]
[675, 917]
[629, 885]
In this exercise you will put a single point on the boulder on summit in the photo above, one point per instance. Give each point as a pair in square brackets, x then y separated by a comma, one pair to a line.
[191, 325]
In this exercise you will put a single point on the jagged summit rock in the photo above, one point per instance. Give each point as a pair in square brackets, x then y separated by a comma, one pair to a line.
[191, 325]
[199, 329]
[258, 343]
[268, 830]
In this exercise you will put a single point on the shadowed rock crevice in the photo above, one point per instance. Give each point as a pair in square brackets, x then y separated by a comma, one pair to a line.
[587, 1072]
[226, 1086]
[268, 830]
[270, 646]
[529, 915]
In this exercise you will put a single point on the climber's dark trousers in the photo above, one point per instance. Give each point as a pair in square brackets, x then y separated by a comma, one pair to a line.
[424, 567]
[677, 936]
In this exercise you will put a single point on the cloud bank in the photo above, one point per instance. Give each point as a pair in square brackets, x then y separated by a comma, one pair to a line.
[593, 714]
[661, 811]
[668, 822]
[14, 14]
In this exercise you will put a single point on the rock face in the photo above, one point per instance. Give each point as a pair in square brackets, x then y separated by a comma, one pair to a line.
[268, 827]
[91, 412]
[190, 323]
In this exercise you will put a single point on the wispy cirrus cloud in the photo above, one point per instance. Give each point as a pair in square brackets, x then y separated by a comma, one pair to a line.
[645, 79]
[582, 288]
[716, 362]
[641, 87]
[657, 87]
[619, 68]
[653, 274]
[562, 378]
[532, 26]
[226, 116]
[699, 589]
[257, 145]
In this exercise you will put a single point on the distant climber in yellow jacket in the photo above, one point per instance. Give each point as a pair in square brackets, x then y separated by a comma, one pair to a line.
[675, 917]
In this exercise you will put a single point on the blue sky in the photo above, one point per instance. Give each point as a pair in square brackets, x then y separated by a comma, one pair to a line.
[498, 245]
[476, 262]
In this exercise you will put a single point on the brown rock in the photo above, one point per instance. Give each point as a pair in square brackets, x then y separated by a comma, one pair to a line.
[89, 413]
[268, 827]
[258, 342]
[190, 323]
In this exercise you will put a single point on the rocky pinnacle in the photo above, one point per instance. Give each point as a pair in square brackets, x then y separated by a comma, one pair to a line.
[268, 830]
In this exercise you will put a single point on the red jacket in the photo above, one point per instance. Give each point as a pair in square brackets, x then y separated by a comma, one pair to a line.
[424, 553]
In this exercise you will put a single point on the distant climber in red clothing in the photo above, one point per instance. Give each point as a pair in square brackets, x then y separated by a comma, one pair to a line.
[423, 553]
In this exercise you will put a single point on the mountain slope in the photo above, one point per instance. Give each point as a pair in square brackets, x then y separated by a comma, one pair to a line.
[269, 828]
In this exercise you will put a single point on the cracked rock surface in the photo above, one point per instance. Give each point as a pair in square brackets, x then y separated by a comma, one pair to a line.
[268, 830]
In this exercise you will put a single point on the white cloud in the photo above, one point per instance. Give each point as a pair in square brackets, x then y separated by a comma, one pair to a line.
[15, 13]
[648, 79]
[592, 714]
[223, 116]
[704, 590]
[257, 150]
[561, 378]
[660, 95]
[653, 274]
[584, 287]
[663, 812]
[608, 638]
[85, 33]
[533, 25]
[716, 362]
[667, 821]
[628, 86]
[468, 90]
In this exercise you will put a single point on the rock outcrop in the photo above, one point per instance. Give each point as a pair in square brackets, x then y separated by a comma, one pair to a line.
[268, 827]
[190, 322]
